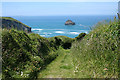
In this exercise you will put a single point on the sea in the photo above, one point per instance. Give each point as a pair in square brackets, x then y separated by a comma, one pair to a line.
[50, 26]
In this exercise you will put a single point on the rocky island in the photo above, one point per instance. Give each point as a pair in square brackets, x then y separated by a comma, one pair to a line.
[69, 22]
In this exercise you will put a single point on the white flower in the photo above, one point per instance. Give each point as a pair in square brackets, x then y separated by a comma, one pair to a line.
[21, 73]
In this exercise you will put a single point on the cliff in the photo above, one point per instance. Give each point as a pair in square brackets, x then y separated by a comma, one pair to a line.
[8, 22]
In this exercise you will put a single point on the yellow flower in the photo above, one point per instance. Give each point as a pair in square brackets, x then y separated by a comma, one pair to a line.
[6, 70]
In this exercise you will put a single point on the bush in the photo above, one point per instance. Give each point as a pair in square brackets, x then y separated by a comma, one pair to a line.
[61, 41]
[80, 36]
[24, 54]
[96, 55]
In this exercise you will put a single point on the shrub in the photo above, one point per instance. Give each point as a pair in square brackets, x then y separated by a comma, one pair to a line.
[24, 54]
[61, 41]
[80, 36]
[96, 55]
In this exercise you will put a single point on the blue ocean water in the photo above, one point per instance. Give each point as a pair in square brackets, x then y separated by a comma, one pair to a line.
[49, 26]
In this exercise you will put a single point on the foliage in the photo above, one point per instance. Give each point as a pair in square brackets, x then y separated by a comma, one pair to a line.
[24, 54]
[80, 36]
[12, 19]
[96, 55]
[62, 41]
[61, 67]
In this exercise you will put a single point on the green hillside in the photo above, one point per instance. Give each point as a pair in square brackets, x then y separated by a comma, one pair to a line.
[26, 54]
[9, 23]
[93, 55]
[97, 54]
[12, 19]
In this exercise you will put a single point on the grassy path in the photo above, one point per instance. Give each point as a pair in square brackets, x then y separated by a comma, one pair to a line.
[61, 67]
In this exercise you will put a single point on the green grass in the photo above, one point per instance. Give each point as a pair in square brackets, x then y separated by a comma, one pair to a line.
[24, 53]
[62, 41]
[97, 54]
[63, 38]
[12, 19]
[61, 67]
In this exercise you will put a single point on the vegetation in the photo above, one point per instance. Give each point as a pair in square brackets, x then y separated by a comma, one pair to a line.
[24, 55]
[93, 55]
[97, 54]
[62, 41]
[80, 36]
[12, 19]
[61, 67]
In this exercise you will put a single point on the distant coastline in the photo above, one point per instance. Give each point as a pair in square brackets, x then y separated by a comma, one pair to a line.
[49, 26]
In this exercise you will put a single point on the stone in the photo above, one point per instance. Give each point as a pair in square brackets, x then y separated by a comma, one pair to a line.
[69, 22]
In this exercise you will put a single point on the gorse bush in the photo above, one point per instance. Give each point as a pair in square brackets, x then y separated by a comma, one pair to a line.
[24, 53]
[14, 51]
[40, 45]
[96, 55]
[80, 36]
[63, 41]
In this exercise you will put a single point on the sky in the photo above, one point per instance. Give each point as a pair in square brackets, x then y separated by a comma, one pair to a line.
[58, 8]
[59, 0]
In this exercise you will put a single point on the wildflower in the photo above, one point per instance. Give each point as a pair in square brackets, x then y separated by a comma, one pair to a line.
[105, 69]
[21, 73]
[6, 70]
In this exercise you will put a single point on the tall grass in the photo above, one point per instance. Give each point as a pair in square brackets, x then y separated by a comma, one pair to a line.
[97, 54]
[24, 55]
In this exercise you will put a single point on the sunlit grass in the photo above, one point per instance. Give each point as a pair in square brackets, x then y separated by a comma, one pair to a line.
[96, 56]
[12, 19]
[61, 67]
